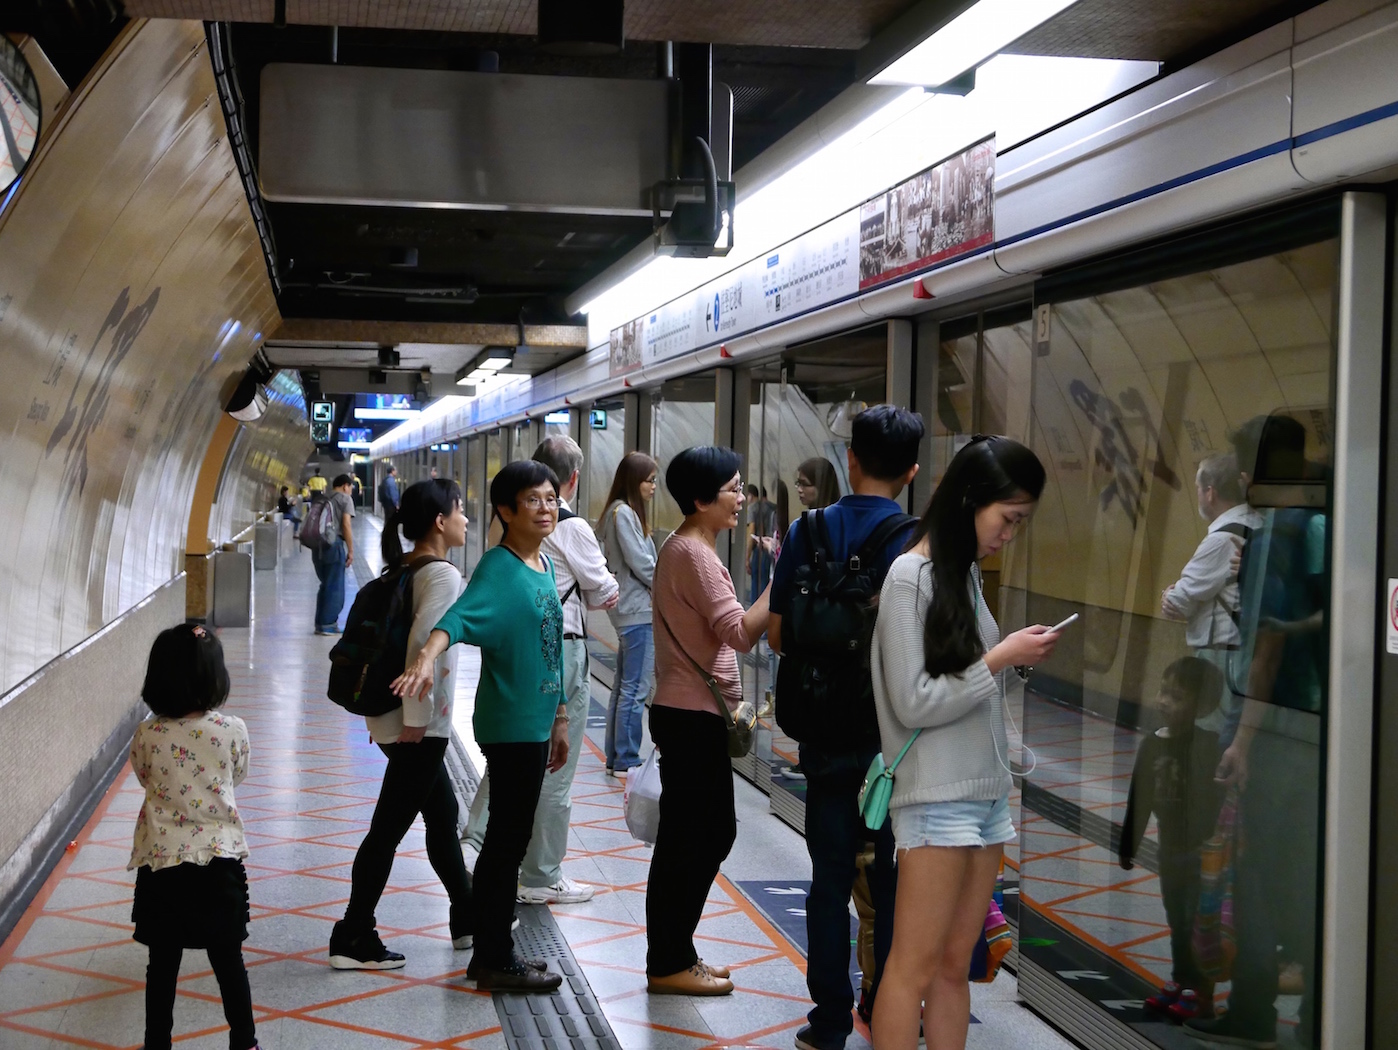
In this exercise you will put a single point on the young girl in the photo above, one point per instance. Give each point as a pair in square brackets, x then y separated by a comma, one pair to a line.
[624, 530]
[938, 667]
[191, 889]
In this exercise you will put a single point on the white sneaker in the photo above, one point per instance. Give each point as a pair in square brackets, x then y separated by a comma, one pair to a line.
[564, 891]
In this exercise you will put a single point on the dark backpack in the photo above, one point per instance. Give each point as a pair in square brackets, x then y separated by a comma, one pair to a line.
[373, 651]
[318, 530]
[825, 689]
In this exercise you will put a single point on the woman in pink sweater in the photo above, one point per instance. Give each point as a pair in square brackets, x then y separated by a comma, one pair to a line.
[694, 606]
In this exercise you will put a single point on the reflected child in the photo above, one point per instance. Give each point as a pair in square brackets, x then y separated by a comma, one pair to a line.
[1174, 779]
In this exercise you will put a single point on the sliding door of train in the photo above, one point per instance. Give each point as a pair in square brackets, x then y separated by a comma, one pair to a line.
[1184, 840]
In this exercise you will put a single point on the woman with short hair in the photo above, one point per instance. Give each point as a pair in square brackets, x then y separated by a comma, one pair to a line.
[697, 618]
[511, 611]
[624, 530]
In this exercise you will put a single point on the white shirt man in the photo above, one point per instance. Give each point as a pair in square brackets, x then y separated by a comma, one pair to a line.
[1206, 594]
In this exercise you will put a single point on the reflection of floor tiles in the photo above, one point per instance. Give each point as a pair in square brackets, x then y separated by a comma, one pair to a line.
[70, 975]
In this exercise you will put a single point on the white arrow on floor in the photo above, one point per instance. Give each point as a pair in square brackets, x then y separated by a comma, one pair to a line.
[1082, 975]
[785, 891]
[796, 911]
[1124, 1004]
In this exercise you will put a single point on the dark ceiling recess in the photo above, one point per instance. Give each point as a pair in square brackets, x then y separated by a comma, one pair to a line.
[73, 34]
[465, 266]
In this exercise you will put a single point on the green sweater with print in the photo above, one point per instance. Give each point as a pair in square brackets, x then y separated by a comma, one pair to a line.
[513, 614]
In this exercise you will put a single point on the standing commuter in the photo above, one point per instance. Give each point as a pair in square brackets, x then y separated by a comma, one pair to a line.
[697, 618]
[388, 493]
[333, 558]
[583, 579]
[938, 666]
[316, 482]
[511, 610]
[414, 740]
[827, 705]
[625, 532]
[189, 845]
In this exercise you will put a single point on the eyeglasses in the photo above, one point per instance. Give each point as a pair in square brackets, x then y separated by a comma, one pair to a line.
[534, 502]
[734, 489]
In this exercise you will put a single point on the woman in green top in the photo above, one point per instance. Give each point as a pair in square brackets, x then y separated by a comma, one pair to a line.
[511, 611]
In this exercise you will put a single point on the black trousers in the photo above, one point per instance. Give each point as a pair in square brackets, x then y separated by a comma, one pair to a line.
[415, 782]
[1179, 892]
[697, 830]
[161, 974]
[516, 774]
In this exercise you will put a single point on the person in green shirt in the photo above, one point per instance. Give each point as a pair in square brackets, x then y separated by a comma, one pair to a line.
[511, 611]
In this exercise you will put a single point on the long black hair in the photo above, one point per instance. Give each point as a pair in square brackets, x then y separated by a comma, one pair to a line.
[988, 470]
[416, 514]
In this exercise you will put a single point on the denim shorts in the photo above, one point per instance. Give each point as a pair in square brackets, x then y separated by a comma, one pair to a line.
[978, 823]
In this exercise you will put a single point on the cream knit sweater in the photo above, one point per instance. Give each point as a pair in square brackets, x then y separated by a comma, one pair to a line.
[955, 758]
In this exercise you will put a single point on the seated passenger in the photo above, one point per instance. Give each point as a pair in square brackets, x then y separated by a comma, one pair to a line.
[414, 738]
[511, 610]
[288, 510]
[1174, 779]
[938, 667]
[191, 887]
[698, 621]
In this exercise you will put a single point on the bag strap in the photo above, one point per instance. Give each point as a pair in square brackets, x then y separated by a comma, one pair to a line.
[878, 539]
[569, 593]
[916, 733]
[820, 532]
[709, 680]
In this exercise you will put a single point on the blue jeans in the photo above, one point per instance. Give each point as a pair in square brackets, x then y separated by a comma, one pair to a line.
[835, 834]
[635, 665]
[330, 568]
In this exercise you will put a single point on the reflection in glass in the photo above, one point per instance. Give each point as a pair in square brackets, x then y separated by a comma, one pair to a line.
[605, 449]
[475, 500]
[682, 416]
[1171, 830]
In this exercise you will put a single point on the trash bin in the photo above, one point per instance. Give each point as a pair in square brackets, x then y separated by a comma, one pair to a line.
[264, 544]
[232, 589]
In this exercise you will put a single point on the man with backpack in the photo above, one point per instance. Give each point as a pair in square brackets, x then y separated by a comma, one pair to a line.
[580, 571]
[330, 536]
[824, 601]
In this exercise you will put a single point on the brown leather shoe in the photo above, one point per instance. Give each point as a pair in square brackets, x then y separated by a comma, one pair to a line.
[694, 981]
[717, 971]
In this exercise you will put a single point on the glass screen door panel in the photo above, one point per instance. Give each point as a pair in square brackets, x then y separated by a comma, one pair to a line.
[1185, 426]
[607, 420]
[473, 489]
[682, 416]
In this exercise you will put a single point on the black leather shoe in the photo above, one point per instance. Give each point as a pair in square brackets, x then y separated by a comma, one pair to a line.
[516, 976]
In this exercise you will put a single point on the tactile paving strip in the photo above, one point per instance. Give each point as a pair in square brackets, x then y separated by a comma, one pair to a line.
[568, 1018]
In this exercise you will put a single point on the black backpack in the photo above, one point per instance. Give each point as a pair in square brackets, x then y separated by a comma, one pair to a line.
[318, 530]
[825, 689]
[373, 651]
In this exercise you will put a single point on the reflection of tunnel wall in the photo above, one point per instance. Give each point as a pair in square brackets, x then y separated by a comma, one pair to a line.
[132, 286]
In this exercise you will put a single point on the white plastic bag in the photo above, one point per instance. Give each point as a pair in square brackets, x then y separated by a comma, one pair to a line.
[642, 799]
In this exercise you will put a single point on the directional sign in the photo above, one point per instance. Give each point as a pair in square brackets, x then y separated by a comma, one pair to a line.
[1082, 975]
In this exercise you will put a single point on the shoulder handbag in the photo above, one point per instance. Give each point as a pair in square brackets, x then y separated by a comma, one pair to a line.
[878, 787]
[741, 723]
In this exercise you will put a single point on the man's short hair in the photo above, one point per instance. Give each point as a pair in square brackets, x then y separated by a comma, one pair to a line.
[342, 480]
[1219, 471]
[885, 441]
[392, 469]
[561, 454]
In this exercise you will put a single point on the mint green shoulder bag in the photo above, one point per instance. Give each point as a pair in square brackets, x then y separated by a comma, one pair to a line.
[878, 787]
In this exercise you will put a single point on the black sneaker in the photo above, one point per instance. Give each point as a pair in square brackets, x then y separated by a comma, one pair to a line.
[518, 975]
[1229, 1031]
[808, 1039]
[365, 952]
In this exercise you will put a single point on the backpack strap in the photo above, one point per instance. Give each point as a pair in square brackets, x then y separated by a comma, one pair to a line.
[878, 539]
[1233, 528]
[564, 514]
[817, 537]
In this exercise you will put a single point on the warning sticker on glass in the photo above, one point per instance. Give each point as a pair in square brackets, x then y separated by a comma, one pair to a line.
[1391, 614]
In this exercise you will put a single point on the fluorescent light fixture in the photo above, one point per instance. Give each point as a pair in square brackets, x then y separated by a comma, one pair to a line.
[385, 413]
[968, 40]
[495, 358]
[353, 444]
[558, 418]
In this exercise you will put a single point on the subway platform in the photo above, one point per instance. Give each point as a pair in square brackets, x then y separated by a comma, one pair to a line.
[71, 976]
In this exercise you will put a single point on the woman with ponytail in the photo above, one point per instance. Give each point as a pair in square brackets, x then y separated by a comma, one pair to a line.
[938, 667]
[414, 738]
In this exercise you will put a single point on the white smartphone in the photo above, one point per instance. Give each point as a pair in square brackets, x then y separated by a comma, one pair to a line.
[1059, 626]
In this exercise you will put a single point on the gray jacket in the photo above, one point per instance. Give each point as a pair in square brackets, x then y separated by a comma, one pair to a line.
[631, 556]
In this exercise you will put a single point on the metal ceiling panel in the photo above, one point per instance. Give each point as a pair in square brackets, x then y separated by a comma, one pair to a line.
[444, 139]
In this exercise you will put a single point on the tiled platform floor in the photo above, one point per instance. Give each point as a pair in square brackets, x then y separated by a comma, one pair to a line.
[70, 975]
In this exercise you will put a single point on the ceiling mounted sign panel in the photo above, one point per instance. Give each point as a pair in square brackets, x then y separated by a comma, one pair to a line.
[444, 139]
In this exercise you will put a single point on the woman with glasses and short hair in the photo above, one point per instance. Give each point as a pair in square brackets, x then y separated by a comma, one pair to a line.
[695, 607]
[511, 611]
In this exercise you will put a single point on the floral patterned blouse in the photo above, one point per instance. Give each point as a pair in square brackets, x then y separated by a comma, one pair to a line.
[189, 767]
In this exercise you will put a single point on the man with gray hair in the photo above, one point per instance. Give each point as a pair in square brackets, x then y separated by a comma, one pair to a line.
[581, 574]
[1205, 596]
